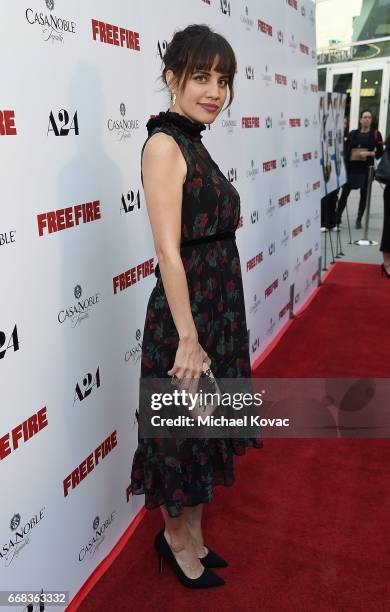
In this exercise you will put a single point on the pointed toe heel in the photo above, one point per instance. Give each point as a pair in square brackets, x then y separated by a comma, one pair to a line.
[207, 579]
[213, 560]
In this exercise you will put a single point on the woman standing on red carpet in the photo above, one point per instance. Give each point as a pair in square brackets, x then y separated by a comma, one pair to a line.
[196, 311]
[369, 140]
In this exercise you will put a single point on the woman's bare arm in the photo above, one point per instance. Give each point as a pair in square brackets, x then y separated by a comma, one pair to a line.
[164, 171]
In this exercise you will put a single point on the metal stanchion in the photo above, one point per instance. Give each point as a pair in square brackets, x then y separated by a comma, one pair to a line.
[331, 246]
[349, 225]
[365, 240]
[291, 307]
[328, 233]
[325, 268]
[339, 252]
[319, 271]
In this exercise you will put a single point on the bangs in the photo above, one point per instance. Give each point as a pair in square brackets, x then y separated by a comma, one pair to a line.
[202, 57]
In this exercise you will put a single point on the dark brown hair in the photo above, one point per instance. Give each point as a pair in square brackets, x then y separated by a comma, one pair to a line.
[374, 123]
[195, 48]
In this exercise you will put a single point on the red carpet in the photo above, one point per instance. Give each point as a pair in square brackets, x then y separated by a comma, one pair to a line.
[345, 332]
[305, 527]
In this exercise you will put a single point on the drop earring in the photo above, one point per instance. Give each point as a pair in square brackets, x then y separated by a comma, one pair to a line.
[173, 98]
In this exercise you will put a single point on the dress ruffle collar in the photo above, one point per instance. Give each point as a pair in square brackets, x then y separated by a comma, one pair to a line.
[191, 128]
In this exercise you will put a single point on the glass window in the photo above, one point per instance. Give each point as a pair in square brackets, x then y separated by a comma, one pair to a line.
[370, 93]
[342, 83]
[373, 21]
[322, 79]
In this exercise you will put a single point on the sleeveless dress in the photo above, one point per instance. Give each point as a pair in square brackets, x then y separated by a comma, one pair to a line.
[182, 472]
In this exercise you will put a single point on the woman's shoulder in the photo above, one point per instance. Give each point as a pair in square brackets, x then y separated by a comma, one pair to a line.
[160, 142]
[161, 152]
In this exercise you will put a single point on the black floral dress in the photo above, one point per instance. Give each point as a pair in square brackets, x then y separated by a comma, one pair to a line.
[182, 472]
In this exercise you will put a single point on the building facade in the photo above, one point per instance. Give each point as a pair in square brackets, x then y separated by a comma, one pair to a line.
[353, 54]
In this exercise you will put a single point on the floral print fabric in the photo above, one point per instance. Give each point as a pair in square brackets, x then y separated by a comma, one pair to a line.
[182, 472]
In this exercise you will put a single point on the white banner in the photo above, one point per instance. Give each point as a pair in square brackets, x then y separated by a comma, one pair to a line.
[79, 81]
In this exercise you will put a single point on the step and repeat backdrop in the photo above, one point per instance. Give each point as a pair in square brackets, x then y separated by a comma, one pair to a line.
[79, 81]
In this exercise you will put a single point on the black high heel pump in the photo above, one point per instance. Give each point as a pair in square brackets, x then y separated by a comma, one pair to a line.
[206, 579]
[213, 560]
[384, 271]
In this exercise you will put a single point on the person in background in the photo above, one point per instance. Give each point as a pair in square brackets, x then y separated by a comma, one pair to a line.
[370, 141]
[385, 242]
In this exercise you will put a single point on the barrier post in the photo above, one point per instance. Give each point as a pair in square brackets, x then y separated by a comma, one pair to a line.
[365, 240]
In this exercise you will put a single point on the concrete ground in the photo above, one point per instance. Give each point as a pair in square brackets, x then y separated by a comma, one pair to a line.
[353, 252]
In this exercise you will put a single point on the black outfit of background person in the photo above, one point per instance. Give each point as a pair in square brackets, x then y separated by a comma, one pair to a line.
[385, 242]
[328, 209]
[357, 171]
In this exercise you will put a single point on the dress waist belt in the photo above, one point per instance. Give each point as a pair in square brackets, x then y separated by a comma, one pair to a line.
[203, 239]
